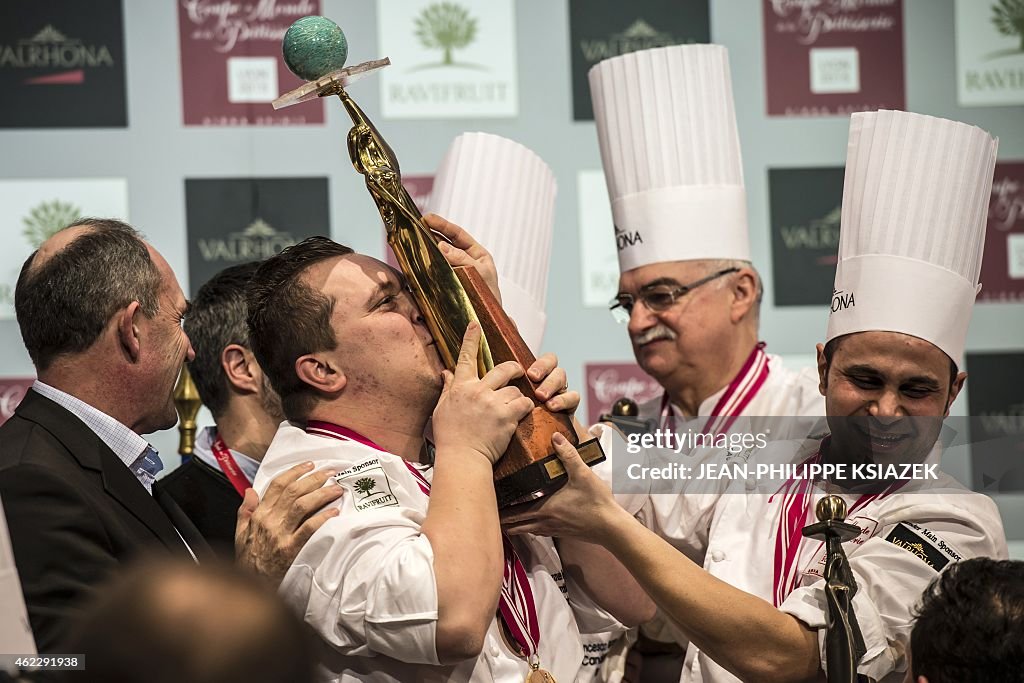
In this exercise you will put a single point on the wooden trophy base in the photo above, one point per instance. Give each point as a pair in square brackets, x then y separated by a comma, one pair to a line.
[529, 469]
[542, 477]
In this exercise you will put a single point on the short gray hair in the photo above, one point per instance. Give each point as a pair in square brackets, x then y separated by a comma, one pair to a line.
[717, 265]
[64, 303]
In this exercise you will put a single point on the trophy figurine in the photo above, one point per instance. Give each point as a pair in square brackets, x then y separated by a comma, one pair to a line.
[449, 298]
[844, 642]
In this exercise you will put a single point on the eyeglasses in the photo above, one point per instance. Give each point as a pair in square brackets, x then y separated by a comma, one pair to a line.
[658, 298]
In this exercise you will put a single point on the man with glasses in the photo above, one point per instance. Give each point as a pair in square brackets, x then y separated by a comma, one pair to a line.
[687, 291]
[762, 605]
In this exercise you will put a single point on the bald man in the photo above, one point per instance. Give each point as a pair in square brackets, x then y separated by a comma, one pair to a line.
[100, 313]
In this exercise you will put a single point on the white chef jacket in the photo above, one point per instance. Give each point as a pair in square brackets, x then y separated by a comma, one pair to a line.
[949, 522]
[684, 520]
[786, 394]
[365, 580]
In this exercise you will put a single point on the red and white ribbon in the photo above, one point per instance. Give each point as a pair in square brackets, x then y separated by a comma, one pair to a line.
[744, 386]
[797, 512]
[516, 605]
[229, 466]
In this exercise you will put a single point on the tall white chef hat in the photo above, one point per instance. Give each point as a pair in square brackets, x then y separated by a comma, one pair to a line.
[666, 126]
[504, 194]
[915, 201]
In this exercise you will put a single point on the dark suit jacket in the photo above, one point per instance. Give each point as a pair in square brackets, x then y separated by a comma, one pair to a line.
[75, 513]
[208, 499]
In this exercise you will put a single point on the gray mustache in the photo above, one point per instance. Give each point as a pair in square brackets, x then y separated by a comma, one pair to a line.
[654, 334]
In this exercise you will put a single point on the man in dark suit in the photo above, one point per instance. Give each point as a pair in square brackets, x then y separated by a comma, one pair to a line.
[100, 313]
[209, 487]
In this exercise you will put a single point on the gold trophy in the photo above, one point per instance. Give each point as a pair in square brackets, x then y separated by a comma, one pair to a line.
[187, 403]
[449, 298]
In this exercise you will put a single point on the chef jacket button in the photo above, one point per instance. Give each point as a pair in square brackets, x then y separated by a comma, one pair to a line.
[717, 556]
[494, 651]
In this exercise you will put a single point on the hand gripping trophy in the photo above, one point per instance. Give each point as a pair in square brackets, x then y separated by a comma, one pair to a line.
[449, 298]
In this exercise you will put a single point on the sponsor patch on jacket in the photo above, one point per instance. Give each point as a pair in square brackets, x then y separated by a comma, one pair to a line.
[368, 484]
[924, 544]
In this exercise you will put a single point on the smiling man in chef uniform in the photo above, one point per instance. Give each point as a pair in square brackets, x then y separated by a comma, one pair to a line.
[914, 202]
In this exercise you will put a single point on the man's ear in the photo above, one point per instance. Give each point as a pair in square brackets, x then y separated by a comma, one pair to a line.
[954, 390]
[744, 292]
[240, 368]
[320, 373]
[822, 369]
[128, 330]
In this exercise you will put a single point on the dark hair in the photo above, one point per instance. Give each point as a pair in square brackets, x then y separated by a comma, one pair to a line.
[217, 318]
[154, 622]
[288, 319]
[64, 303]
[833, 346]
[970, 625]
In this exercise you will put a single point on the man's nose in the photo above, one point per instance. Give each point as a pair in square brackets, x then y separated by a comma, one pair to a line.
[411, 309]
[886, 408]
[641, 319]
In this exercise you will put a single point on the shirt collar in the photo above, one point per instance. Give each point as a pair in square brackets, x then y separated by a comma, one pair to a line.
[126, 444]
[204, 451]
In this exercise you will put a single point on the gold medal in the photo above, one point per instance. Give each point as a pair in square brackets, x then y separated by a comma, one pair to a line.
[540, 676]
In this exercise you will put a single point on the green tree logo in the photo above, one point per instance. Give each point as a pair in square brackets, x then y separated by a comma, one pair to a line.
[1008, 17]
[47, 219]
[445, 26]
[365, 485]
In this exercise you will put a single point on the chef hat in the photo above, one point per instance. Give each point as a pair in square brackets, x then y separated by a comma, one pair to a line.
[504, 195]
[666, 126]
[915, 201]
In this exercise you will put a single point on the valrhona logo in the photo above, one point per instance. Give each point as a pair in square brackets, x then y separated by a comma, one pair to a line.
[819, 233]
[1004, 422]
[50, 49]
[639, 36]
[842, 300]
[627, 238]
[258, 241]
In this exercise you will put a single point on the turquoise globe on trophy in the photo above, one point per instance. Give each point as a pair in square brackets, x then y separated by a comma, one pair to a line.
[313, 47]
